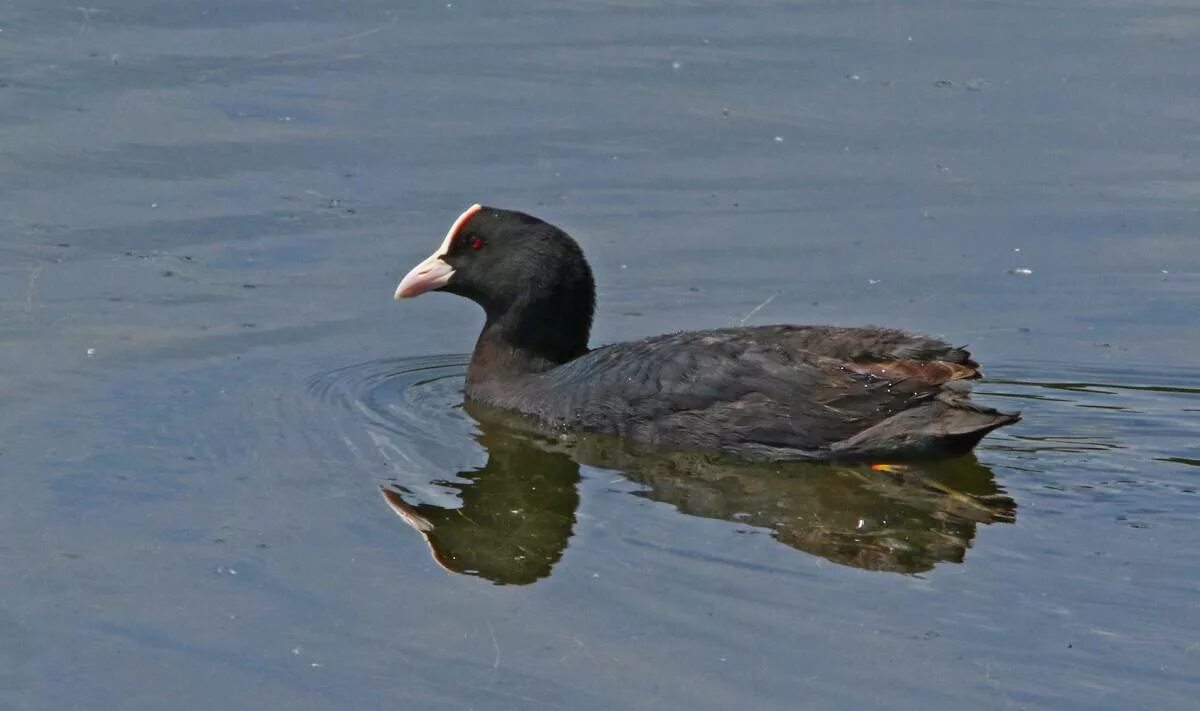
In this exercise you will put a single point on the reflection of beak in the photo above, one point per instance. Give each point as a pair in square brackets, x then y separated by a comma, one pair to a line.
[406, 512]
[433, 273]
[417, 521]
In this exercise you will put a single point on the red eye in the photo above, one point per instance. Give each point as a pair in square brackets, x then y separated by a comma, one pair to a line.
[476, 243]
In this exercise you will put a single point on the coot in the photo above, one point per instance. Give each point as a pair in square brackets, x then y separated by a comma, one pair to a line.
[762, 392]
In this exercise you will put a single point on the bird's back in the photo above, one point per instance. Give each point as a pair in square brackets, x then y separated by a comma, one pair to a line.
[787, 392]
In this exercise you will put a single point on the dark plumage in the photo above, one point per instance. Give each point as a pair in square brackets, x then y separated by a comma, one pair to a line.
[766, 392]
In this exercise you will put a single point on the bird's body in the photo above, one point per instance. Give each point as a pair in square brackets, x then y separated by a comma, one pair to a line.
[763, 392]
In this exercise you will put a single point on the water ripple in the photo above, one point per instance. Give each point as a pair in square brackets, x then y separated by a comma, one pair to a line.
[404, 414]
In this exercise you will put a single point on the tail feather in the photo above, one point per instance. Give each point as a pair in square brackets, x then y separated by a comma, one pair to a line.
[943, 427]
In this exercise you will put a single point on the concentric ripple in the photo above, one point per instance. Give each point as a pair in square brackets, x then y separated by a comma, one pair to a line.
[403, 419]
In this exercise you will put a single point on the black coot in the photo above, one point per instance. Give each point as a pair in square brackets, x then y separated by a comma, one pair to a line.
[763, 392]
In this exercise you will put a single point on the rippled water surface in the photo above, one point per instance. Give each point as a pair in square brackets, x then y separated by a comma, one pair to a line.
[237, 475]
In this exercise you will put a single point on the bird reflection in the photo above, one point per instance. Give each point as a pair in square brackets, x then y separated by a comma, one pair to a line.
[516, 513]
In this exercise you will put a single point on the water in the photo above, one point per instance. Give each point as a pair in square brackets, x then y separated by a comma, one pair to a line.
[509, 517]
[238, 475]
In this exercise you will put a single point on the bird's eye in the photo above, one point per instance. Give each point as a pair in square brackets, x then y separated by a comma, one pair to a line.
[475, 242]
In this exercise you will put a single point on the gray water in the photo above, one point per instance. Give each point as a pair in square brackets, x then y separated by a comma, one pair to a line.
[213, 410]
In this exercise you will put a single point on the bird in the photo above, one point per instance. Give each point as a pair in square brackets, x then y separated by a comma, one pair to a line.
[771, 392]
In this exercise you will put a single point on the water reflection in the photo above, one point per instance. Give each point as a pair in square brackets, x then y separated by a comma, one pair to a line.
[515, 514]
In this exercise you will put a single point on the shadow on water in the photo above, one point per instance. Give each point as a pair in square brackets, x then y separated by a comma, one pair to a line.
[510, 518]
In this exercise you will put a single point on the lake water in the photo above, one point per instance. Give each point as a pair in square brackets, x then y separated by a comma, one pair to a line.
[238, 475]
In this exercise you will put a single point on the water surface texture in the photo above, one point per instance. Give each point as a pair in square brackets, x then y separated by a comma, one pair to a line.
[238, 475]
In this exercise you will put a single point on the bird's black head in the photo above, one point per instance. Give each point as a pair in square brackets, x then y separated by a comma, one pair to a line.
[529, 276]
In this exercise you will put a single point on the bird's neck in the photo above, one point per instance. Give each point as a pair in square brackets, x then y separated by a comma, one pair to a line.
[530, 337]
